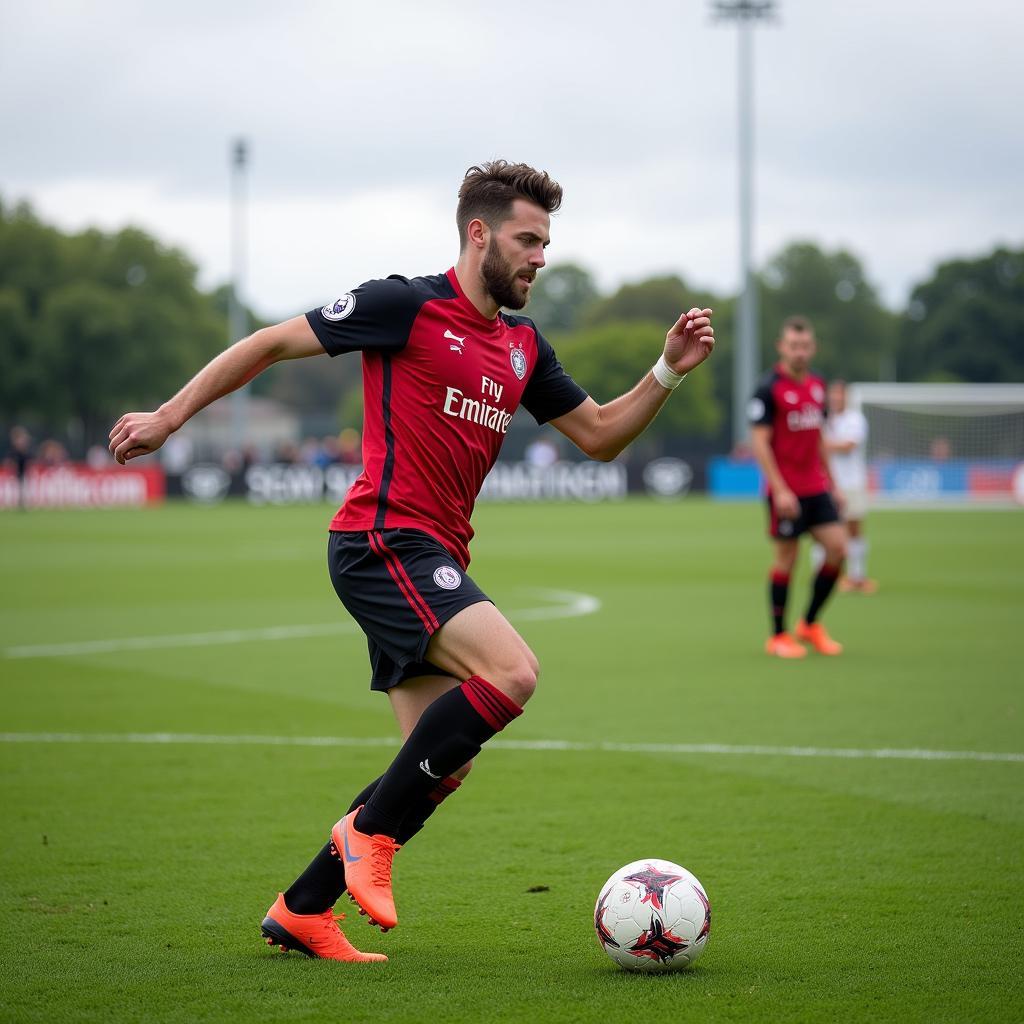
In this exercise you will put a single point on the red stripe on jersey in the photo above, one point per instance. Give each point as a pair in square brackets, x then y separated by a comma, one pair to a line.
[435, 416]
[401, 578]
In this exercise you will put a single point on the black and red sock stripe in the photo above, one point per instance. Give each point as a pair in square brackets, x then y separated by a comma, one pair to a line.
[779, 591]
[444, 789]
[493, 706]
[405, 584]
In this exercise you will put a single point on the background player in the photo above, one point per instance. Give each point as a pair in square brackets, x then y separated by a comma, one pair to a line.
[846, 440]
[787, 413]
[443, 372]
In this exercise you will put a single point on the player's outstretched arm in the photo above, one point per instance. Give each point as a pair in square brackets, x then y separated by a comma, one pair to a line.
[140, 433]
[603, 431]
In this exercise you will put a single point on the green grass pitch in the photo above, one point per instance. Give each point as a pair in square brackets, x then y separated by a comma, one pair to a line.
[135, 875]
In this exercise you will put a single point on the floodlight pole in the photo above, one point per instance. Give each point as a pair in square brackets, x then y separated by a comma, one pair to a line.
[745, 363]
[237, 318]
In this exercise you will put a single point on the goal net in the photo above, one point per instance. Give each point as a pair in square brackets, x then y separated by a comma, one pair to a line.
[944, 444]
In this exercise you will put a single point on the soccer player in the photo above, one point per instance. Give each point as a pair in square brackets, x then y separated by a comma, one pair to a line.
[846, 437]
[444, 369]
[787, 413]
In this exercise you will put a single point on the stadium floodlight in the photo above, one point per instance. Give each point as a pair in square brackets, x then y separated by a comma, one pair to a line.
[943, 444]
[745, 13]
[237, 326]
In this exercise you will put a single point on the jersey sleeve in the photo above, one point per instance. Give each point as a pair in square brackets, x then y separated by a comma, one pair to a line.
[377, 316]
[761, 407]
[550, 391]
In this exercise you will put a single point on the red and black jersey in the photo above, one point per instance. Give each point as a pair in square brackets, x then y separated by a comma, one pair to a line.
[441, 383]
[795, 410]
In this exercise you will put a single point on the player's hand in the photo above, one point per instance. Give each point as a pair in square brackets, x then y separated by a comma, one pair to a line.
[787, 505]
[840, 499]
[690, 340]
[138, 433]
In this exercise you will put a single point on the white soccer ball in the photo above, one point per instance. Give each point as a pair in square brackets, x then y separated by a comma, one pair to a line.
[653, 915]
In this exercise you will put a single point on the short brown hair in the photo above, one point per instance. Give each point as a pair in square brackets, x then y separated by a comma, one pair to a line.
[488, 191]
[800, 324]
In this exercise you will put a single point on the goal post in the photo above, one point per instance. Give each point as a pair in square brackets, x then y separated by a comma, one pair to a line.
[943, 444]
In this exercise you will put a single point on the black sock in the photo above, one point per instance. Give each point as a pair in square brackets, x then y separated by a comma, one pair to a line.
[449, 733]
[823, 584]
[322, 883]
[778, 593]
[417, 816]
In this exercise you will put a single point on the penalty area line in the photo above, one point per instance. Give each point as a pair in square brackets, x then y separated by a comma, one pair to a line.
[713, 749]
[566, 604]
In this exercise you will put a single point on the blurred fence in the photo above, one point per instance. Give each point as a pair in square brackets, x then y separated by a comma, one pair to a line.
[909, 482]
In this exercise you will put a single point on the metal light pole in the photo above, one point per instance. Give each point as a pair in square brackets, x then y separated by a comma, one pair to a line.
[745, 364]
[238, 326]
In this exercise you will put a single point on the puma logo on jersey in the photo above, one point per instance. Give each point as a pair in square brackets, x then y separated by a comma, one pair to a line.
[425, 765]
[459, 342]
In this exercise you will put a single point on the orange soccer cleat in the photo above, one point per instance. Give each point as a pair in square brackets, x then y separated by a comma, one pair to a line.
[782, 645]
[861, 586]
[367, 861]
[816, 635]
[316, 935]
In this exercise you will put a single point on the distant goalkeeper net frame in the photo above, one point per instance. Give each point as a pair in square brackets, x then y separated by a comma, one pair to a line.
[943, 445]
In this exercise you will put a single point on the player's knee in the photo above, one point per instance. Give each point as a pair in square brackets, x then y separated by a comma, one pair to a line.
[835, 553]
[784, 565]
[461, 773]
[520, 680]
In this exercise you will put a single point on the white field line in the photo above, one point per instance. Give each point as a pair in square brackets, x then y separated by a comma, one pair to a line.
[756, 750]
[567, 605]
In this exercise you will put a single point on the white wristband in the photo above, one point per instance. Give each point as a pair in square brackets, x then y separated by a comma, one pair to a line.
[665, 375]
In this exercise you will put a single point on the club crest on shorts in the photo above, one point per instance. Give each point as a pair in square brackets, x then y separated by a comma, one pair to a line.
[447, 577]
[339, 309]
[518, 359]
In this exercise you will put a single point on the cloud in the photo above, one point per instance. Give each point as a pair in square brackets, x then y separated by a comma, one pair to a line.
[885, 128]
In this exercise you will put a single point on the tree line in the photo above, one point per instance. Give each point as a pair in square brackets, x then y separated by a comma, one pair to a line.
[92, 323]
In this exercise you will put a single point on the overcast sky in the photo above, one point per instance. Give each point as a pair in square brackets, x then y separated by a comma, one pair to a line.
[891, 127]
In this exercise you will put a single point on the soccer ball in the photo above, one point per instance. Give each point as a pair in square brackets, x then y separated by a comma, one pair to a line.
[653, 915]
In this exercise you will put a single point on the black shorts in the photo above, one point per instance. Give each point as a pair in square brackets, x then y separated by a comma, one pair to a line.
[815, 510]
[401, 586]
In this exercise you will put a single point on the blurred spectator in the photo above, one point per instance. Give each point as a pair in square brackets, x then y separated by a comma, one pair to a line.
[309, 453]
[97, 457]
[330, 451]
[51, 453]
[288, 452]
[20, 456]
[350, 447]
[940, 449]
[542, 453]
[177, 453]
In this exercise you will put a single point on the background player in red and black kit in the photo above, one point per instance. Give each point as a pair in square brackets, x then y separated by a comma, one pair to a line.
[444, 370]
[787, 413]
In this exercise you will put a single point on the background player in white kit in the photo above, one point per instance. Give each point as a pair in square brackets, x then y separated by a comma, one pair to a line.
[846, 439]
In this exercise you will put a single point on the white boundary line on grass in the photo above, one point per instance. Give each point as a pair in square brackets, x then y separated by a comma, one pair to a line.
[755, 750]
[567, 605]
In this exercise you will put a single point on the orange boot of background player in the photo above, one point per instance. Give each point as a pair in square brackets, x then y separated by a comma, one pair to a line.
[782, 645]
[817, 636]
